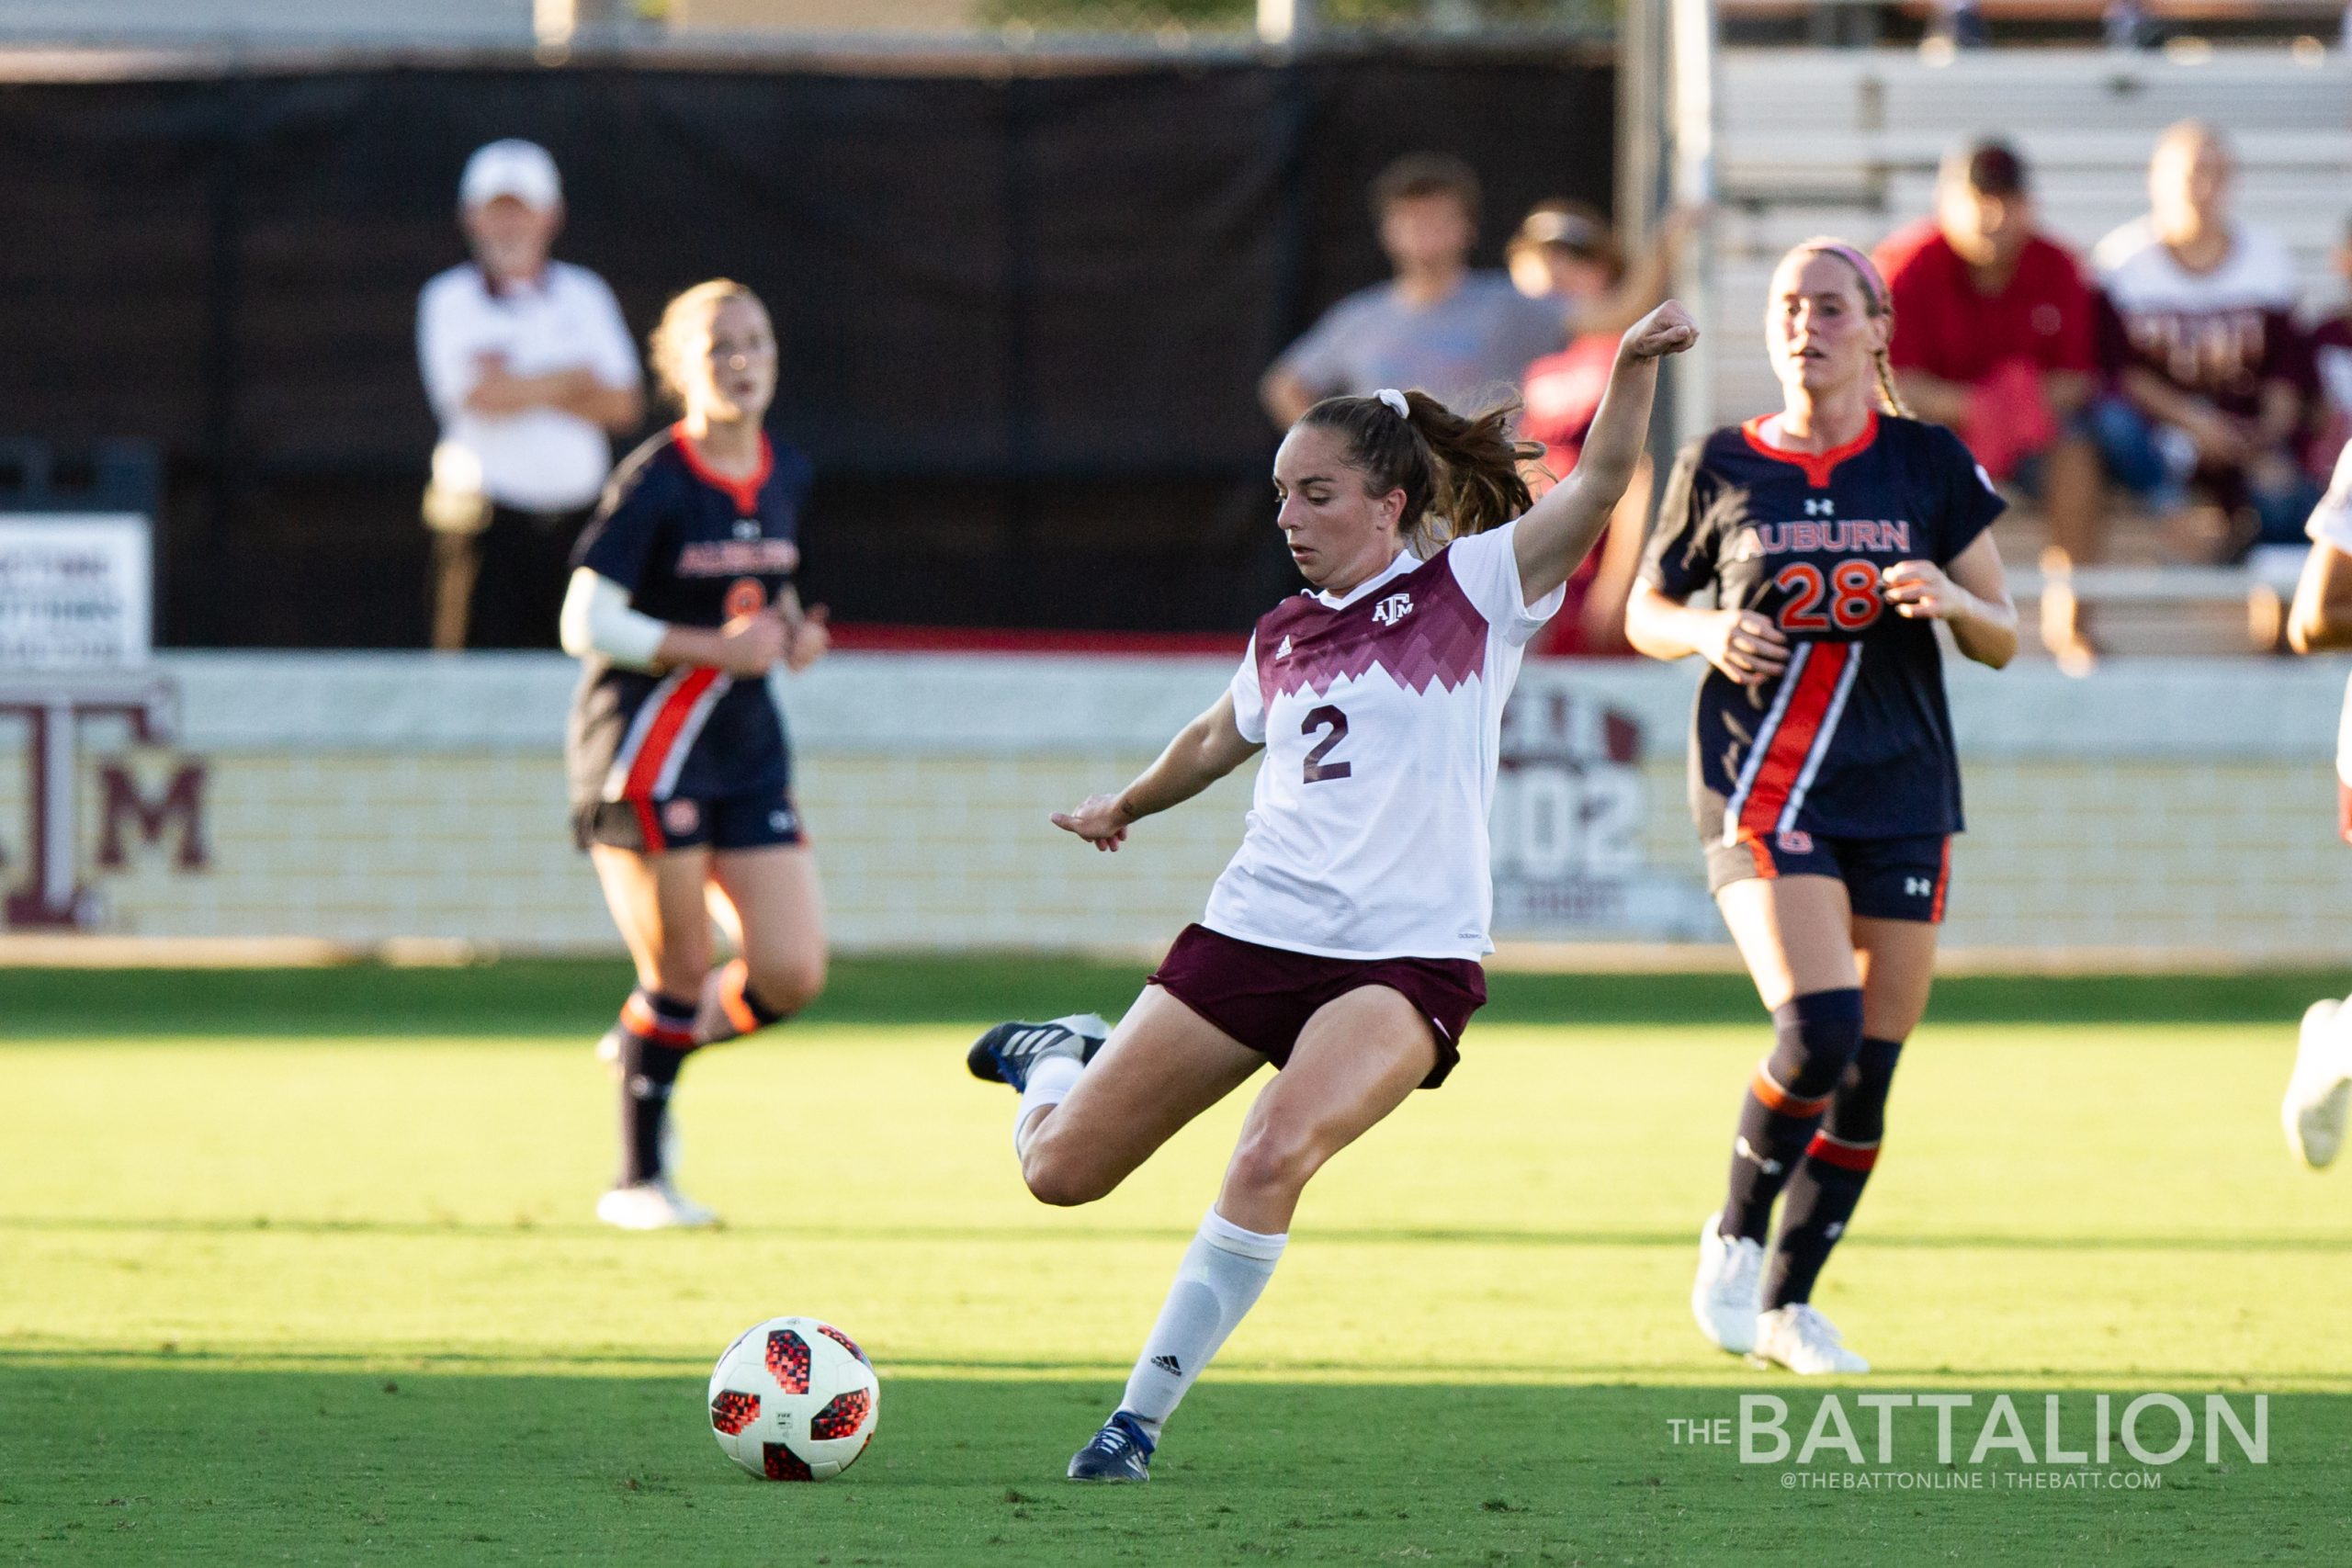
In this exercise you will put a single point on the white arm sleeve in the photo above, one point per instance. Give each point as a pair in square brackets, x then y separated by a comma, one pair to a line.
[597, 619]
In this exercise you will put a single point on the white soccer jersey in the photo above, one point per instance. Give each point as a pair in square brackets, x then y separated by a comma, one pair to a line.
[2331, 524]
[1381, 713]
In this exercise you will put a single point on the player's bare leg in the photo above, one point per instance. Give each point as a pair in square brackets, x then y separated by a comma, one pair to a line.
[657, 902]
[1797, 935]
[1356, 1061]
[1162, 1066]
[777, 909]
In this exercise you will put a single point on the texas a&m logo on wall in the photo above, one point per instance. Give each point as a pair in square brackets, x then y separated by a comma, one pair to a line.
[60, 720]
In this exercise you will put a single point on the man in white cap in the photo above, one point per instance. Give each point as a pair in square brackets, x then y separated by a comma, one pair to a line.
[530, 370]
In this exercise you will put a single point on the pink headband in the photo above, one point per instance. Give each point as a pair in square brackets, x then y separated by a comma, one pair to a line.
[1872, 285]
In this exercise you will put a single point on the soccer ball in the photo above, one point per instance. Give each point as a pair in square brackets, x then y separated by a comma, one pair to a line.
[793, 1399]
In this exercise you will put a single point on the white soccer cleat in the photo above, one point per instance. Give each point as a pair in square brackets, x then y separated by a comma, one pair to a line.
[1800, 1338]
[652, 1206]
[1725, 1297]
[2319, 1092]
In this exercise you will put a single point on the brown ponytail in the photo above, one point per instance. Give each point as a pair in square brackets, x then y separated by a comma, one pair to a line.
[1459, 475]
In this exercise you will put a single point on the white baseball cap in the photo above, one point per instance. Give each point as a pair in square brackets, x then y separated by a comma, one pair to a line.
[522, 170]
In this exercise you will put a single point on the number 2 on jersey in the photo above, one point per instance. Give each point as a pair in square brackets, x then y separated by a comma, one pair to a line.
[1316, 769]
[1851, 591]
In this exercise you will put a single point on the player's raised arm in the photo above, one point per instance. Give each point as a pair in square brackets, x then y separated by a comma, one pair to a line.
[1203, 752]
[1560, 529]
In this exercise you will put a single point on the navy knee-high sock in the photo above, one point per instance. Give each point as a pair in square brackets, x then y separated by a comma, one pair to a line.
[1816, 1037]
[1828, 1183]
[657, 1033]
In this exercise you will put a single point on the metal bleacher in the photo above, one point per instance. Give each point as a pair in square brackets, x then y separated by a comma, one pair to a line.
[1845, 142]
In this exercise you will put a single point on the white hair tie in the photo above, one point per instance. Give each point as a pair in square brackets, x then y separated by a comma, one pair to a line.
[1395, 400]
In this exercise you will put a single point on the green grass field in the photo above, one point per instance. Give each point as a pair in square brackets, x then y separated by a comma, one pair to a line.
[300, 1266]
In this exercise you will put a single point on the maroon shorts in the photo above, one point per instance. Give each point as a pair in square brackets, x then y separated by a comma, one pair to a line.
[1263, 996]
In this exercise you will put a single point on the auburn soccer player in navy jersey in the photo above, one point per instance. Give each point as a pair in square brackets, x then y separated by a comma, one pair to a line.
[1342, 942]
[1832, 536]
[681, 601]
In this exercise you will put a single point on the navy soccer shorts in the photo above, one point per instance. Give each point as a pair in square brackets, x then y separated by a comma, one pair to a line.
[749, 820]
[1886, 879]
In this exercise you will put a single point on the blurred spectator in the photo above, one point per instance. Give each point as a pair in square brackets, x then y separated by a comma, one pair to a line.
[528, 367]
[1565, 252]
[1995, 340]
[1459, 335]
[2332, 372]
[1959, 24]
[2199, 336]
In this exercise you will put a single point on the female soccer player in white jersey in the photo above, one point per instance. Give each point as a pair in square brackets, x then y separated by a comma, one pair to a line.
[2319, 1094]
[1342, 942]
[1834, 536]
[681, 600]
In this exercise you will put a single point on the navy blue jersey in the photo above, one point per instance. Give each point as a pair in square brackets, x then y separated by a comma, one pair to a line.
[1854, 739]
[694, 549]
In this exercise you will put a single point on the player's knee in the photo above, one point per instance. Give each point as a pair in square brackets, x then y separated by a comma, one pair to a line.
[1063, 1178]
[1275, 1158]
[787, 982]
[1815, 1038]
[1859, 1113]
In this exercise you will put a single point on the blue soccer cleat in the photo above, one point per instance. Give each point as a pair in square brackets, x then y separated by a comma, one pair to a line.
[1119, 1452]
[1010, 1051]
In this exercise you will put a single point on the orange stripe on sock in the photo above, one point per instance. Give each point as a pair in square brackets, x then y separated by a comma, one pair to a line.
[731, 983]
[638, 1019]
[1780, 1101]
[1850, 1156]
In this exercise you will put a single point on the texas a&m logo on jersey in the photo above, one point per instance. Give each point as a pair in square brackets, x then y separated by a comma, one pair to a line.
[1393, 609]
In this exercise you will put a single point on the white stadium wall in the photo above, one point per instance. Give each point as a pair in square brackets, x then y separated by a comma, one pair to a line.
[2163, 814]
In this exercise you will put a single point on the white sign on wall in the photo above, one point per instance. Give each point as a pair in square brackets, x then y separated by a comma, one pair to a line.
[75, 590]
[1571, 809]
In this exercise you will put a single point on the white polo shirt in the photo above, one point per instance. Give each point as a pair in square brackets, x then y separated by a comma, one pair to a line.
[543, 459]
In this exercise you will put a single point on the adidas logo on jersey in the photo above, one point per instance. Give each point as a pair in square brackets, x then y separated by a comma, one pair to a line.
[1393, 609]
[1283, 651]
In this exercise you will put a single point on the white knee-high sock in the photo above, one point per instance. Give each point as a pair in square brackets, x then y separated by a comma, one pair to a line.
[1050, 1082]
[1224, 1270]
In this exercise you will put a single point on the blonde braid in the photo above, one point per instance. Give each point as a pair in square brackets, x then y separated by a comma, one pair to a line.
[1890, 398]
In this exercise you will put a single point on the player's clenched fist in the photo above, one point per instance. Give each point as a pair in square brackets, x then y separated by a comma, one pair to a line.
[1745, 645]
[750, 645]
[1666, 330]
[1921, 590]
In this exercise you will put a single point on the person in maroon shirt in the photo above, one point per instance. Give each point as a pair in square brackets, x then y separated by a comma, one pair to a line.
[1997, 342]
[2331, 345]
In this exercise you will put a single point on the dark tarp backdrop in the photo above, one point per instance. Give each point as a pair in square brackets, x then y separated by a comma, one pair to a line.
[1022, 316]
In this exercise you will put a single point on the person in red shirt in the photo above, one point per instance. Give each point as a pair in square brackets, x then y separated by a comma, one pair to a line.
[1565, 250]
[1997, 342]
